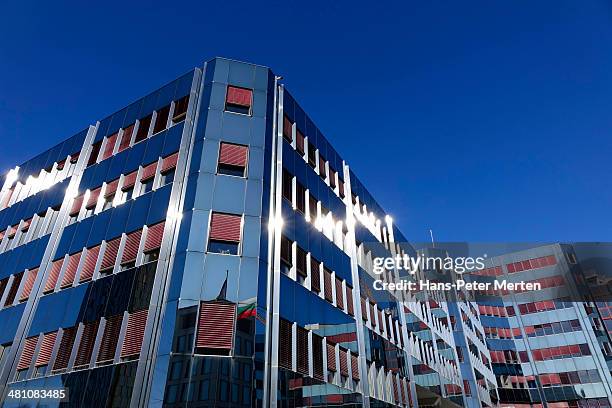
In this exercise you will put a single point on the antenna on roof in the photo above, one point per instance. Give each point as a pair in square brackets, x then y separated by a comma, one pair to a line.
[433, 244]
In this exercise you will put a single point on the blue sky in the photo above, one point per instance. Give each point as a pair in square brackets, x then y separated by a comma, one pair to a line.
[484, 121]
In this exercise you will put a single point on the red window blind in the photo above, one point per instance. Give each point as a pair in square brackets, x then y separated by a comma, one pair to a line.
[155, 233]
[287, 129]
[341, 188]
[287, 186]
[65, 348]
[76, 205]
[302, 350]
[111, 188]
[129, 181]
[134, 333]
[332, 178]
[28, 285]
[161, 121]
[3, 284]
[12, 230]
[89, 266]
[109, 147]
[46, 348]
[26, 225]
[343, 362]
[299, 142]
[327, 283]
[10, 298]
[93, 198]
[180, 108]
[169, 162]
[130, 251]
[74, 157]
[71, 269]
[339, 294]
[28, 353]
[364, 310]
[286, 253]
[110, 254]
[380, 321]
[216, 325]
[355, 367]
[331, 357]
[126, 137]
[143, 128]
[148, 172]
[88, 338]
[300, 197]
[395, 389]
[300, 262]
[93, 156]
[317, 357]
[56, 268]
[315, 275]
[285, 344]
[233, 154]
[239, 96]
[110, 338]
[372, 315]
[225, 227]
[349, 300]
[322, 168]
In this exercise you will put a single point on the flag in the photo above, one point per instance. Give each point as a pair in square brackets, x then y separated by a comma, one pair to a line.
[247, 311]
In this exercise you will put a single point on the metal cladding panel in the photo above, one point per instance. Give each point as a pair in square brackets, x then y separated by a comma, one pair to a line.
[46, 348]
[216, 325]
[134, 333]
[89, 265]
[225, 227]
[65, 348]
[28, 285]
[355, 366]
[239, 96]
[169, 162]
[56, 268]
[28, 353]
[71, 269]
[108, 346]
[339, 296]
[130, 251]
[155, 233]
[110, 254]
[88, 338]
[233, 155]
[331, 357]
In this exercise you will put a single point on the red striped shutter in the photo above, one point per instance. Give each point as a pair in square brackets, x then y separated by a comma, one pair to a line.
[364, 310]
[76, 205]
[56, 268]
[225, 227]
[130, 251]
[46, 348]
[88, 338]
[65, 348]
[110, 338]
[129, 181]
[343, 363]
[349, 300]
[216, 325]
[12, 294]
[93, 198]
[125, 138]
[339, 296]
[287, 129]
[332, 178]
[327, 279]
[26, 225]
[134, 333]
[71, 269]
[239, 96]
[28, 353]
[299, 142]
[380, 321]
[285, 344]
[169, 162]
[341, 188]
[233, 154]
[12, 231]
[331, 357]
[111, 188]
[302, 350]
[3, 284]
[110, 254]
[89, 266]
[28, 285]
[93, 156]
[155, 233]
[317, 357]
[300, 262]
[355, 367]
[109, 147]
[395, 389]
[372, 315]
[148, 172]
[322, 168]
[315, 275]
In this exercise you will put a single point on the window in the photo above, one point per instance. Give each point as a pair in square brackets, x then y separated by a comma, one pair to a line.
[300, 265]
[300, 197]
[286, 255]
[143, 129]
[224, 233]
[322, 167]
[128, 187]
[162, 119]
[147, 178]
[168, 169]
[312, 155]
[109, 257]
[126, 138]
[95, 150]
[232, 159]
[287, 186]
[180, 109]
[287, 129]
[109, 146]
[130, 250]
[299, 142]
[238, 100]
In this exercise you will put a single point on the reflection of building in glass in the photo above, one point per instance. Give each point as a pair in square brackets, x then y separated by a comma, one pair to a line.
[548, 347]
